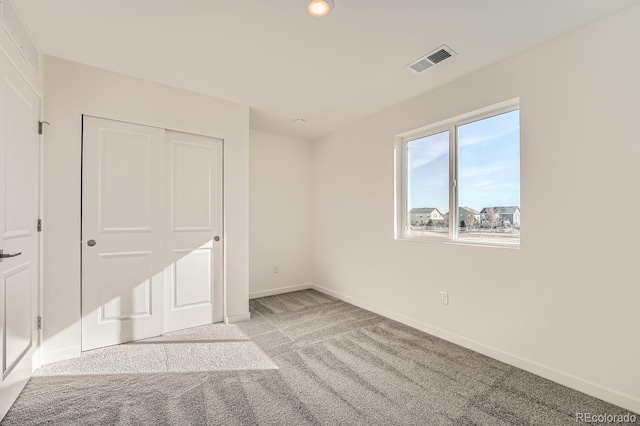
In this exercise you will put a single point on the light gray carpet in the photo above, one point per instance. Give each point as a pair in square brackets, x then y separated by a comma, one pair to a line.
[337, 365]
[209, 348]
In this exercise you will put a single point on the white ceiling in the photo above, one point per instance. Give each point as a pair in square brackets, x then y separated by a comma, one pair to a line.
[285, 64]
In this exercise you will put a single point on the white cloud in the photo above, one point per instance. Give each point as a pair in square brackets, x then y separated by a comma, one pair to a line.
[479, 136]
[489, 129]
[424, 151]
[485, 170]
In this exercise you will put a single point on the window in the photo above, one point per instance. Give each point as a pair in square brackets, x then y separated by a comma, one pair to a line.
[460, 179]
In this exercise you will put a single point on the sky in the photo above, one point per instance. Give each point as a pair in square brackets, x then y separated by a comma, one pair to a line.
[488, 165]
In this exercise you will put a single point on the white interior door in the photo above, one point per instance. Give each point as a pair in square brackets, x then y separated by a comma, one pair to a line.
[19, 181]
[123, 256]
[193, 202]
[151, 230]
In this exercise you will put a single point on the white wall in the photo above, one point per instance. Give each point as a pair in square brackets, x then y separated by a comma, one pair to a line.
[566, 305]
[71, 90]
[280, 214]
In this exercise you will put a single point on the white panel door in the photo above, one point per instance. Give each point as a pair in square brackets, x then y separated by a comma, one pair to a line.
[123, 252]
[193, 281]
[19, 192]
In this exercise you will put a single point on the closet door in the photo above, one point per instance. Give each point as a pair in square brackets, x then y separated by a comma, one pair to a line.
[152, 249]
[123, 249]
[193, 280]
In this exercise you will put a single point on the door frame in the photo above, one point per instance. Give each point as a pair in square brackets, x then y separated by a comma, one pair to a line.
[224, 222]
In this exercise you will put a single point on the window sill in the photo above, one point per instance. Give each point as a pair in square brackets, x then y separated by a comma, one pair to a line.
[446, 240]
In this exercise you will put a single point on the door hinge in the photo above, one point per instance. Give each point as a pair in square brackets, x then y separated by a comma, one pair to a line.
[39, 225]
[41, 126]
[39, 323]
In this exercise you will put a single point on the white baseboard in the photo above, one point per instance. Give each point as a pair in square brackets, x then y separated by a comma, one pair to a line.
[238, 318]
[60, 355]
[280, 290]
[622, 400]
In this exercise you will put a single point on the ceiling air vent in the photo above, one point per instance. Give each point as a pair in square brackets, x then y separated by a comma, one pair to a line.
[421, 65]
[18, 33]
[432, 58]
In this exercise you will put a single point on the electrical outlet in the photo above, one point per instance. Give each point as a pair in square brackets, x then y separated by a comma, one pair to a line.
[444, 297]
[276, 269]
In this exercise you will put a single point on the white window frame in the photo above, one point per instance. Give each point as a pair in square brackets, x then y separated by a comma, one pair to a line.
[401, 174]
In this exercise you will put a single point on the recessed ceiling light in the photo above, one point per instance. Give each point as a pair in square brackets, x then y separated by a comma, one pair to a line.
[320, 8]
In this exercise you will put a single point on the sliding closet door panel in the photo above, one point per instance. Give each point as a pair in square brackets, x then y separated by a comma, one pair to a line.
[194, 220]
[123, 253]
